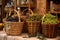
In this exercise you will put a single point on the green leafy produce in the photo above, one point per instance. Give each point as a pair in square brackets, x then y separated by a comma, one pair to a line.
[35, 17]
[40, 36]
[50, 19]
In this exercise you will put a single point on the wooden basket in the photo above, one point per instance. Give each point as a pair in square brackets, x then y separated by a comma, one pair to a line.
[49, 30]
[13, 28]
[33, 26]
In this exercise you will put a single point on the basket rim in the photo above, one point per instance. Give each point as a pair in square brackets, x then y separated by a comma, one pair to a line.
[49, 24]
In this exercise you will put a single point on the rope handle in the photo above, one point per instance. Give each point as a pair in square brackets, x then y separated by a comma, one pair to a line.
[43, 18]
[29, 10]
[18, 14]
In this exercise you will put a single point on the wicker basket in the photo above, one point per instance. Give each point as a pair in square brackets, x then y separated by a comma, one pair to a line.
[13, 28]
[33, 26]
[49, 30]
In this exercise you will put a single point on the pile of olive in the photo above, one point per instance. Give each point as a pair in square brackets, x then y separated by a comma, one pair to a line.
[50, 19]
[13, 19]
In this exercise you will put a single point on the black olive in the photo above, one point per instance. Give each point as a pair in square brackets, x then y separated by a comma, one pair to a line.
[12, 19]
[9, 18]
[21, 20]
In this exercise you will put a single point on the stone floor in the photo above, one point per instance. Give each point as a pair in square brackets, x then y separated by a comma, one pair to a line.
[3, 36]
